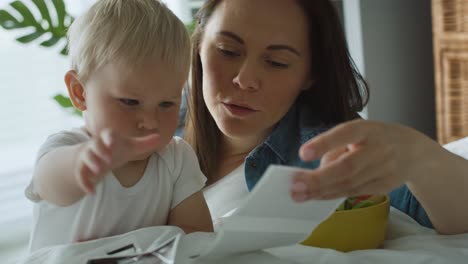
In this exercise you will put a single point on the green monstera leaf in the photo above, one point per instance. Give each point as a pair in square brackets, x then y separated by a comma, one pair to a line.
[66, 103]
[56, 28]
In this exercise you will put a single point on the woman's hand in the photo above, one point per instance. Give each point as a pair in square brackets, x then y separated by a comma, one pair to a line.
[107, 151]
[363, 157]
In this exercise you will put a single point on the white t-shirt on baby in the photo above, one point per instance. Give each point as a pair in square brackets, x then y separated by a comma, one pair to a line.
[171, 176]
[226, 195]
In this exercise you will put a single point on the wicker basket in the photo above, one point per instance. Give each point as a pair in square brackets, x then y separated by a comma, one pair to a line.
[450, 28]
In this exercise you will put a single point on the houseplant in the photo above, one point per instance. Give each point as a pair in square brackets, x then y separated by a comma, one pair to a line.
[51, 22]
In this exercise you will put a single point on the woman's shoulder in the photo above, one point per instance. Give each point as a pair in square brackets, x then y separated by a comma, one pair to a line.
[308, 132]
[310, 124]
[297, 127]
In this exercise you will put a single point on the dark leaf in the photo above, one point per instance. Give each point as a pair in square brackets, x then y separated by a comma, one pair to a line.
[30, 37]
[66, 103]
[77, 112]
[63, 101]
[41, 5]
[61, 12]
[7, 21]
[64, 51]
[28, 17]
[39, 26]
[50, 42]
[190, 27]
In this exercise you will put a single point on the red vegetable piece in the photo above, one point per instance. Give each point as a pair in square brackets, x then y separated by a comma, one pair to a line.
[361, 198]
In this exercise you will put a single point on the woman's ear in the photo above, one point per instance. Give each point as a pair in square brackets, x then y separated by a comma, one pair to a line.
[75, 90]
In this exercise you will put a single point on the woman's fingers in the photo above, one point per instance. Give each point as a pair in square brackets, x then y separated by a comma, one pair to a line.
[347, 172]
[380, 186]
[376, 179]
[343, 172]
[354, 132]
[332, 155]
[379, 157]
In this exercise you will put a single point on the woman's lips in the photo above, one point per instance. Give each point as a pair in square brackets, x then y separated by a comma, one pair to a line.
[237, 110]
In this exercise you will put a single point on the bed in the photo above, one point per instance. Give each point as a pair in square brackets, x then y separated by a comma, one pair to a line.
[406, 242]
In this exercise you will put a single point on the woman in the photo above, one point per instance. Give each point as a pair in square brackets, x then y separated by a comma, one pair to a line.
[268, 77]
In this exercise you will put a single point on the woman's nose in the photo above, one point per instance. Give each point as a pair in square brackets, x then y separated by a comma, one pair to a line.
[247, 77]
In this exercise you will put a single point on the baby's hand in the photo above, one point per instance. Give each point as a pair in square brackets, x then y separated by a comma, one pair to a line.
[107, 151]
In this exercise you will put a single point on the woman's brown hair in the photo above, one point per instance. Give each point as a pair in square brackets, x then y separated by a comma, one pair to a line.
[339, 90]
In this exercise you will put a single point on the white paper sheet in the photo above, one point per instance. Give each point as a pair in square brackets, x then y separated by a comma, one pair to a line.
[269, 217]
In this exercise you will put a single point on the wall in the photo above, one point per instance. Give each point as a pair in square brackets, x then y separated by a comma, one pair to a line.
[181, 8]
[398, 59]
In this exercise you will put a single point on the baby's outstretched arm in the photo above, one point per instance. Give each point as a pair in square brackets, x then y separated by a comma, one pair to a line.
[63, 176]
[192, 215]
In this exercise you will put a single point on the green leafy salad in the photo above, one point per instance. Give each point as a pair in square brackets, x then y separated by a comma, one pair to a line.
[357, 202]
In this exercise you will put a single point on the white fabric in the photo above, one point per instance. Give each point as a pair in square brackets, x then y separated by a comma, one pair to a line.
[225, 195]
[406, 242]
[459, 147]
[171, 176]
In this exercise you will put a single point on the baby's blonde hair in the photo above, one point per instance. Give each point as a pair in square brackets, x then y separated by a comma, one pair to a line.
[129, 32]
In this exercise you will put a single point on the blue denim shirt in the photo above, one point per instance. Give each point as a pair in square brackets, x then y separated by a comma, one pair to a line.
[282, 147]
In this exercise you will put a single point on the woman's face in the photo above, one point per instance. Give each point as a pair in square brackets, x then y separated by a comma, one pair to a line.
[255, 58]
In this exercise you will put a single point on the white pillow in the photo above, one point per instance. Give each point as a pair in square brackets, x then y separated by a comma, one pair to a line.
[459, 147]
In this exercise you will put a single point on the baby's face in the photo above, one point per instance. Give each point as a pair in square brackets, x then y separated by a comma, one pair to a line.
[134, 102]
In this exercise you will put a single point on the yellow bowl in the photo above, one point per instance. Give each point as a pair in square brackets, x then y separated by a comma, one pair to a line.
[348, 230]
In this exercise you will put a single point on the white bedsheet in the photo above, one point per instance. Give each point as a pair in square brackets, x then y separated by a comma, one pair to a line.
[406, 242]
[459, 147]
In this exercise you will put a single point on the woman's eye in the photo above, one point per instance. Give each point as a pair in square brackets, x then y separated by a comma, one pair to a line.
[277, 64]
[227, 52]
[129, 102]
[166, 104]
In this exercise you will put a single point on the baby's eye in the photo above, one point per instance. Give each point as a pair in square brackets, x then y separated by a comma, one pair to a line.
[277, 64]
[129, 102]
[166, 104]
[228, 53]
